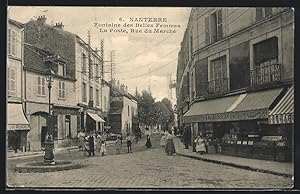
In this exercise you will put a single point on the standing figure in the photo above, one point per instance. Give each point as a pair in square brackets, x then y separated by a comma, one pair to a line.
[98, 143]
[148, 141]
[200, 145]
[170, 148]
[163, 139]
[91, 145]
[81, 141]
[129, 142]
[186, 137]
[103, 148]
[118, 145]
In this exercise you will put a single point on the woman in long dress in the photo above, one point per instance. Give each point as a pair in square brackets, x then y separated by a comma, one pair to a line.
[200, 145]
[170, 147]
[148, 141]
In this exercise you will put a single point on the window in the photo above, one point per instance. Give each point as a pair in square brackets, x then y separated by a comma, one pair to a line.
[97, 97]
[11, 82]
[128, 110]
[218, 79]
[41, 86]
[263, 13]
[61, 89]
[12, 42]
[61, 70]
[266, 68]
[83, 63]
[84, 97]
[97, 71]
[214, 27]
[91, 94]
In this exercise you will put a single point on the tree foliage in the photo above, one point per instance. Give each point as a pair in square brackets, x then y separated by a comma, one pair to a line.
[154, 113]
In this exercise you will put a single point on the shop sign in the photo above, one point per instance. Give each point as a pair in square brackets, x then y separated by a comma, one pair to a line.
[18, 127]
[271, 138]
[282, 118]
[228, 116]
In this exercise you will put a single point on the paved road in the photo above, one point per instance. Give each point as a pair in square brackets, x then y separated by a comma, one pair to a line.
[149, 168]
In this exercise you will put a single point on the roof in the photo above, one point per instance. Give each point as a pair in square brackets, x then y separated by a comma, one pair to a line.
[16, 23]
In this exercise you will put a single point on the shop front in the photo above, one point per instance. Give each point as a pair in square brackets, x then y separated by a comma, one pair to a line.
[94, 122]
[242, 128]
[17, 128]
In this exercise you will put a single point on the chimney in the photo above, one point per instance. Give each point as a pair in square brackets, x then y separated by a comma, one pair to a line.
[41, 19]
[59, 25]
[126, 89]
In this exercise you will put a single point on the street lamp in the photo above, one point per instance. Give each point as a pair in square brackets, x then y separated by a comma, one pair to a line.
[49, 143]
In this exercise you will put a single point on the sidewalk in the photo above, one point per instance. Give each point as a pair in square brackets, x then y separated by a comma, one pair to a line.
[278, 168]
[13, 155]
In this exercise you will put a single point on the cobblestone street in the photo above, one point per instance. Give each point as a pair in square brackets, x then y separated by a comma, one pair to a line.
[149, 168]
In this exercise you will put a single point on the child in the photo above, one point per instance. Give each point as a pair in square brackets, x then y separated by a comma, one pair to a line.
[118, 145]
[103, 148]
[129, 142]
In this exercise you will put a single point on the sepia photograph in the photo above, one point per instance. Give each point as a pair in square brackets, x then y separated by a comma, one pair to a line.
[112, 97]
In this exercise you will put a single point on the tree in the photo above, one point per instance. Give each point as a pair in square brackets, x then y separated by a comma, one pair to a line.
[146, 106]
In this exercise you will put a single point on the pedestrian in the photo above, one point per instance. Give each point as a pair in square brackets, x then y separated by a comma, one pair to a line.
[170, 147]
[129, 142]
[103, 148]
[186, 137]
[200, 144]
[148, 141]
[163, 138]
[81, 141]
[91, 144]
[118, 145]
[98, 143]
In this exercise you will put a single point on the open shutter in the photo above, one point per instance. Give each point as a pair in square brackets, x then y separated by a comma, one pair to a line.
[207, 32]
[39, 85]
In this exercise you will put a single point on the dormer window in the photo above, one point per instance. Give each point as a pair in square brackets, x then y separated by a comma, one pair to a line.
[61, 70]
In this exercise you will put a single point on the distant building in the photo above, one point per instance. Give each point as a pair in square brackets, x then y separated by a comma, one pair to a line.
[235, 79]
[123, 110]
[17, 123]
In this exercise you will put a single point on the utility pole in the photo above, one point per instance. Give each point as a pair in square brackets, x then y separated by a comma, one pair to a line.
[149, 81]
[171, 84]
[112, 65]
[89, 55]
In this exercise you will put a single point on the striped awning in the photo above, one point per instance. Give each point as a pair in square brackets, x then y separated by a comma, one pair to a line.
[283, 112]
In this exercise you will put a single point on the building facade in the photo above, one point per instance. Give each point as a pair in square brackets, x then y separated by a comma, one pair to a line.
[17, 123]
[76, 98]
[235, 68]
[123, 110]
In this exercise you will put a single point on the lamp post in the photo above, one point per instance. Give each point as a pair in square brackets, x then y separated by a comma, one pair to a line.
[49, 143]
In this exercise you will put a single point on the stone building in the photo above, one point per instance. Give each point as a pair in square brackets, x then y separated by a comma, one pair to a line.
[234, 74]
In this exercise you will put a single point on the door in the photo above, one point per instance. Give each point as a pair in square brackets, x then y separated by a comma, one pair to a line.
[43, 136]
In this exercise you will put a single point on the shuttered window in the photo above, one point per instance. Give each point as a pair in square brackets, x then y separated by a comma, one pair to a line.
[41, 86]
[11, 82]
[61, 89]
[219, 25]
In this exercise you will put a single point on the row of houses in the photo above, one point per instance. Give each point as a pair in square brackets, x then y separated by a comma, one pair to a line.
[235, 80]
[45, 58]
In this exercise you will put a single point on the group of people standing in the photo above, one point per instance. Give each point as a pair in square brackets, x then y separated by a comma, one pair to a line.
[87, 143]
[166, 141]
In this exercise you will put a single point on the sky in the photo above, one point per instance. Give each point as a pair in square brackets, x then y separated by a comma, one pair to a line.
[142, 59]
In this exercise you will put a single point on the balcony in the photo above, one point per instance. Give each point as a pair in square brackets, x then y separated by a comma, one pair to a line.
[218, 86]
[265, 74]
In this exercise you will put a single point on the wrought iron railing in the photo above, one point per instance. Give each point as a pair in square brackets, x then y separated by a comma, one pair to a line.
[265, 74]
[218, 86]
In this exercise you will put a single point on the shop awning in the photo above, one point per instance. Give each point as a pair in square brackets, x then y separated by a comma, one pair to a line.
[209, 110]
[256, 105]
[16, 119]
[96, 117]
[248, 106]
[283, 112]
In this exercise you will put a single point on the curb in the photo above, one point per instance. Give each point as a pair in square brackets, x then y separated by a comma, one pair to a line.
[237, 165]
